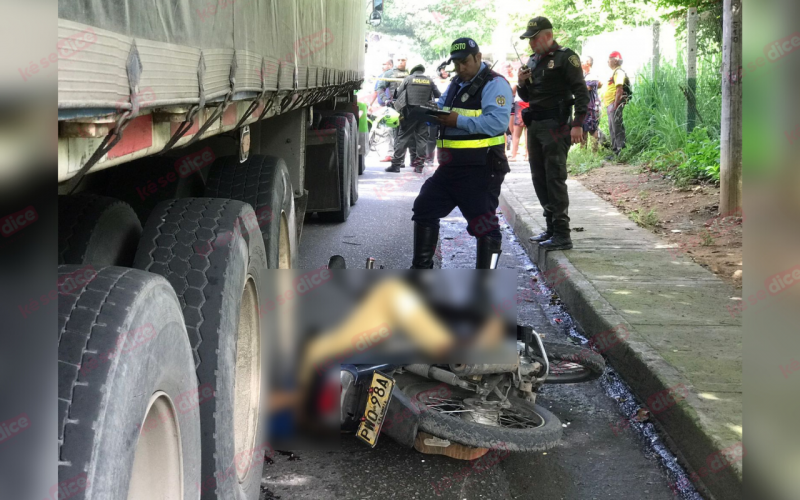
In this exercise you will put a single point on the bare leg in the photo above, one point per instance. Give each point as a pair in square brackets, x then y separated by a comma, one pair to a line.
[515, 140]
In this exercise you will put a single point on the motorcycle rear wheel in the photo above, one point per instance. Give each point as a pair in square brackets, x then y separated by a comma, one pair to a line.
[524, 427]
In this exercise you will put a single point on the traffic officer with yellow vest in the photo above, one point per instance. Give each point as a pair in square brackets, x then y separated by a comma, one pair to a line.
[472, 158]
[551, 82]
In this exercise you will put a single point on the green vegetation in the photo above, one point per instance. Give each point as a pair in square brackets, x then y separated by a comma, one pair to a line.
[431, 26]
[576, 20]
[582, 160]
[655, 123]
[706, 239]
[644, 219]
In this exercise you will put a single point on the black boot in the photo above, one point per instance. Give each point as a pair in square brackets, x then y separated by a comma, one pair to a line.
[548, 231]
[392, 168]
[557, 242]
[425, 240]
[488, 248]
[545, 235]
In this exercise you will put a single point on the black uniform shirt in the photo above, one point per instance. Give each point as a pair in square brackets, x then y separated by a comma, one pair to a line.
[392, 73]
[421, 89]
[557, 76]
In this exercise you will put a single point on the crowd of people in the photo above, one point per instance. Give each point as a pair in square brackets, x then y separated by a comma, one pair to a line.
[607, 97]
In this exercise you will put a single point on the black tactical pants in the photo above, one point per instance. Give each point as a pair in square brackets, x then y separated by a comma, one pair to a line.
[475, 190]
[548, 145]
[414, 137]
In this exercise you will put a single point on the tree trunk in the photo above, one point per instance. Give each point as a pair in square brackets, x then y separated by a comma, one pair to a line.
[730, 172]
[691, 67]
[656, 48]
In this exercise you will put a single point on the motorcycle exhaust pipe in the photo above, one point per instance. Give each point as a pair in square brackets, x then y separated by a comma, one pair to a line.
[435, 373]
[483, 369]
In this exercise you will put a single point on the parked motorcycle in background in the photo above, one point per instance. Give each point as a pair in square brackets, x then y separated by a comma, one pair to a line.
[382, 126]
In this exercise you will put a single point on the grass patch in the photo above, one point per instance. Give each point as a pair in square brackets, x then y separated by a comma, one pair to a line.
[706, 239]
[647, 219]
[655, 122]
[581, 161]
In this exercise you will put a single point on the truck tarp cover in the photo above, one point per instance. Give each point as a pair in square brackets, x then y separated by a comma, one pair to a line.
[185, 48]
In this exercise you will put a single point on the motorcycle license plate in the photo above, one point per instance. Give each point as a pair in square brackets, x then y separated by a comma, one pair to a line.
[375, 413]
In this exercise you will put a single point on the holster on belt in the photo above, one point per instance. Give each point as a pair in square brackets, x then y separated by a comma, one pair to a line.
[497, 162]
[561, 114]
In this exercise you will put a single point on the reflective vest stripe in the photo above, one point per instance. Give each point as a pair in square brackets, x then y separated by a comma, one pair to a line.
[472, 143]
[464, 112]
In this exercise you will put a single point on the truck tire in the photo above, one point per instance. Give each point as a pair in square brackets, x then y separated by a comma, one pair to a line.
[345, 168]
[351, 118]
[125, 374]
[264, 183]
[212, 252]
[96, 230]
[146, 182]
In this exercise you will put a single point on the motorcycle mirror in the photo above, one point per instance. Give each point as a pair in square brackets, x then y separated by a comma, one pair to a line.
[375, 18]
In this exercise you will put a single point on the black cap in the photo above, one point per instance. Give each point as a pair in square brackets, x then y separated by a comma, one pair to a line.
[463, 47]
[418, 67]
[536, 25]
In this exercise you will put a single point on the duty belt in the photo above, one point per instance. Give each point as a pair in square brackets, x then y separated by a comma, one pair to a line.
[539, 114]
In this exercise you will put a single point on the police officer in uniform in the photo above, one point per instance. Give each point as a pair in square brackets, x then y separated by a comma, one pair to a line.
[552, 83]
[416, 90]
[387, 89]
[472, 158]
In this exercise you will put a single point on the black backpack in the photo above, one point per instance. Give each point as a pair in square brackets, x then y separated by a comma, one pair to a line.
[627, 90]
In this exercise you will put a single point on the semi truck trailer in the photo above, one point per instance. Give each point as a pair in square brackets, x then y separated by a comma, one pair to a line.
[193, 138]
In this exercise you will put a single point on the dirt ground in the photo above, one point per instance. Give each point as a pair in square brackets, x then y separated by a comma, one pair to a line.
[688, 218]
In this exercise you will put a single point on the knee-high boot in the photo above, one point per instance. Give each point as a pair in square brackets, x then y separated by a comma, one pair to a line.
[488, 248]
[425, 240]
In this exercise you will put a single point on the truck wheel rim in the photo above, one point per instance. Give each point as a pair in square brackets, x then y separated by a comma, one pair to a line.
[285, 251]
[247, 389]
[158, 460]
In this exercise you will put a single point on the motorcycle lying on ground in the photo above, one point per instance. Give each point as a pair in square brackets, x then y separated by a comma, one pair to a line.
[489, 406]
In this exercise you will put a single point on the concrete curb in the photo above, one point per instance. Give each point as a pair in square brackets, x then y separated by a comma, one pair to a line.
[685, 424]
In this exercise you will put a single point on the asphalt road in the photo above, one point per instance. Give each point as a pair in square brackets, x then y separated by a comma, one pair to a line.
[595, 460]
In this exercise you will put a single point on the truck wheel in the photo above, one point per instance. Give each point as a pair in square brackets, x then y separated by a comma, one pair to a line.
[96, 230]
[145, 183]
[354, 155]
[264, 183]
[126, 425]
[345, 168]
[212, 252]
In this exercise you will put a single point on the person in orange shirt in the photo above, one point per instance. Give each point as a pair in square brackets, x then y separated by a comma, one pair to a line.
[614, 100]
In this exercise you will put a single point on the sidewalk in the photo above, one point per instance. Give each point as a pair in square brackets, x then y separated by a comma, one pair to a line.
[680, 329]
